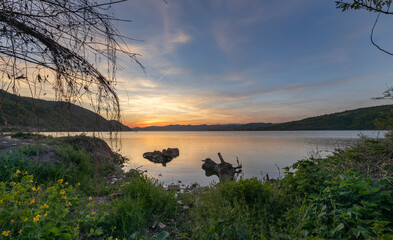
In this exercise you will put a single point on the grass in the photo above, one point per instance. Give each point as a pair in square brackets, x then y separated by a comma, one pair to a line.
[142, 204]
[348, 195]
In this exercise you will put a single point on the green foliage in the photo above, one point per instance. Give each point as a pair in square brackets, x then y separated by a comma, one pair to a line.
[143, 203]
[236, 210]
[385, 121]
[29, 211]
[19, 160]
[357, 119]
[73, 165]
[348, 207]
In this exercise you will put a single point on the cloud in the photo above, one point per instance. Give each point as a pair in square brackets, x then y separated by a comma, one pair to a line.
[180, 37]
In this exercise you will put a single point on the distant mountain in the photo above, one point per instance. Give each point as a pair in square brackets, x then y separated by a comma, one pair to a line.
[358, 119]
[204, 127]
[28, 113]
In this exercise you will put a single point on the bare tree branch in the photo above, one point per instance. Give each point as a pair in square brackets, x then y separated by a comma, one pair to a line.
[63, 43]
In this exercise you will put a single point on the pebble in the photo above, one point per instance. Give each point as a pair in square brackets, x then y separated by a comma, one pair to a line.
[161, 225]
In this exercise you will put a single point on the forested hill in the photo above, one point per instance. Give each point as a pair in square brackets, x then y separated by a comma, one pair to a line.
[24, 112]
[358, 119]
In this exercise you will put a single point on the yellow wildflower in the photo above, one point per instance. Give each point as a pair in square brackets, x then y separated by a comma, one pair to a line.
[37, 218]
[25, 220]
[17, 171]
[90, 198]
[31, 180]
[46, 206]
[114, 227]
[20, 231]
[34, 189]
[69, 204]
[32, 201]
[116, 239]
[12, 221]
[46, 213]
[1, 201]
[94, 213]
[65, 197]
[78, 184]
[66, 183]
[5, 233]
[62, 192]
[60, 180]
[38, 188]
[26, 172]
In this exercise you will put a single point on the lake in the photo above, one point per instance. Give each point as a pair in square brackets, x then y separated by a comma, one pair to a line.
[260, 152]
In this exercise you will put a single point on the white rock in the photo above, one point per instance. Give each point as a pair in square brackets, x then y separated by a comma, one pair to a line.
[161, 225]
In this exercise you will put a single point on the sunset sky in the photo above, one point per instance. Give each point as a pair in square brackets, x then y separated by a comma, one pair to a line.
[232, 61]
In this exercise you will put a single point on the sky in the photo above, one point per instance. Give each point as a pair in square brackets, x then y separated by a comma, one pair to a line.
[231, 61]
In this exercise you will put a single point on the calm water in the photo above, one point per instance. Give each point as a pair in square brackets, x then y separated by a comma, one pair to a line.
[259, 152]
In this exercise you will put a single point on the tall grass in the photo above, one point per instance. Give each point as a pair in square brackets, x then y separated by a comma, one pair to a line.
[19, 159]
[142, 204]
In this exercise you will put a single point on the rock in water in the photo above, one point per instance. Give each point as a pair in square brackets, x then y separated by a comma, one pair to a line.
[171, 152]
[162, 157]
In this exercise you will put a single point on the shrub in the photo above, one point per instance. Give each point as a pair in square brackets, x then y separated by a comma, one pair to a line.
[29, 211]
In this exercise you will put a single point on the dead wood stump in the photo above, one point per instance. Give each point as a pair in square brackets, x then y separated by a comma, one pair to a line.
[224, 170]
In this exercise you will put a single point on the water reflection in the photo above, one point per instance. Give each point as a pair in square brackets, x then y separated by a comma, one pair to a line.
[259, 152]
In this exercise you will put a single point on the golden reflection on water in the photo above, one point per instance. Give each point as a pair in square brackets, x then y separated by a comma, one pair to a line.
[259, 152]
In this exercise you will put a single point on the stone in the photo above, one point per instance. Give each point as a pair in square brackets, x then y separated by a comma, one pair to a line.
[161, 225]
[162, 157]
[173, 187]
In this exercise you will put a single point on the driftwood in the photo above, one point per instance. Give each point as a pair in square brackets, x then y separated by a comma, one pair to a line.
[162, 157]
[224, 171]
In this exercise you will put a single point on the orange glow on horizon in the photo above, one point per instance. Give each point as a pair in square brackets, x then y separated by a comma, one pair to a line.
[161, 123]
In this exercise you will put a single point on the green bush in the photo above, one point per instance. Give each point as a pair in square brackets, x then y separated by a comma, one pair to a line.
[241, 209]
[143, 202]
[348, 207]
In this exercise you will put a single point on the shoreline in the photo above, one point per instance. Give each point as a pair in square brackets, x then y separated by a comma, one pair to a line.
[101, 204]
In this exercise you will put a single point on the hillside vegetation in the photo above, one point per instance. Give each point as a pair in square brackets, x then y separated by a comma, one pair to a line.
[24, 113]
[358, 119]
